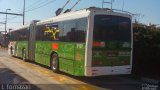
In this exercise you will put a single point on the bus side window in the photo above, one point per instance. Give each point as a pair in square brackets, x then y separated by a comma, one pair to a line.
[39, 33]
[69, 31]
[81, 28]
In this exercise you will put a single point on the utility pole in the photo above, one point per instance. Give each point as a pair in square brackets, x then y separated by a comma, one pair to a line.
[2, 23]
[6, 28]
[24, 11]
[5, 38]
[123, 5]
[6, 21]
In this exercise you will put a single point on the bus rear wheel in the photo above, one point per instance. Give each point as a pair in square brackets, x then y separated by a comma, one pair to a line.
[54, 63]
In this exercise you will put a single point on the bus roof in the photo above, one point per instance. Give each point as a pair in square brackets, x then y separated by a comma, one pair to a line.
[20, 27]
[84, 13]
[66, 16]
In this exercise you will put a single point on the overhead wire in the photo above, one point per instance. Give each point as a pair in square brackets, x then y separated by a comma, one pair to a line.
[16, 22]
[35, 4]
[32, 9]
[41, 6]
[28, 8]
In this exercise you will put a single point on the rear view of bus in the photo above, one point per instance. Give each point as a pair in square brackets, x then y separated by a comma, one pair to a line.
[112, 44]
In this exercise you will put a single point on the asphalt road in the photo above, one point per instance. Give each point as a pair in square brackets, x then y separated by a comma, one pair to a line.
[14, 71]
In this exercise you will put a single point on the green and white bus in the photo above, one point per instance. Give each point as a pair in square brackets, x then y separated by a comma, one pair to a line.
[88, 42]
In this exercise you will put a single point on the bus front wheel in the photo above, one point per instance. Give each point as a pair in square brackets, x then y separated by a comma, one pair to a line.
[54, 63]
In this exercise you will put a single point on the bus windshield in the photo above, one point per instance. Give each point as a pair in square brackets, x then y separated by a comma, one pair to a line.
[109, 28]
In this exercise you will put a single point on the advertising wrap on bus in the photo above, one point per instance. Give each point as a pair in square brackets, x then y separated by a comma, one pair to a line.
[89, 42]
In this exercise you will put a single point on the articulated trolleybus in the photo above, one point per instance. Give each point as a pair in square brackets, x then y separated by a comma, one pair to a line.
[88, 42]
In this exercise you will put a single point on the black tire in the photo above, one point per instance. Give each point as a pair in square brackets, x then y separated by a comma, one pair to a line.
[55, 63]
[24, 54]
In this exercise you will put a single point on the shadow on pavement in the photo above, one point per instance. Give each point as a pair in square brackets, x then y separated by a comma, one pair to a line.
[9, 78]
[112, 82]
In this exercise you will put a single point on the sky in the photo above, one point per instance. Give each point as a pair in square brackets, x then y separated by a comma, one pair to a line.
[147, 11]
